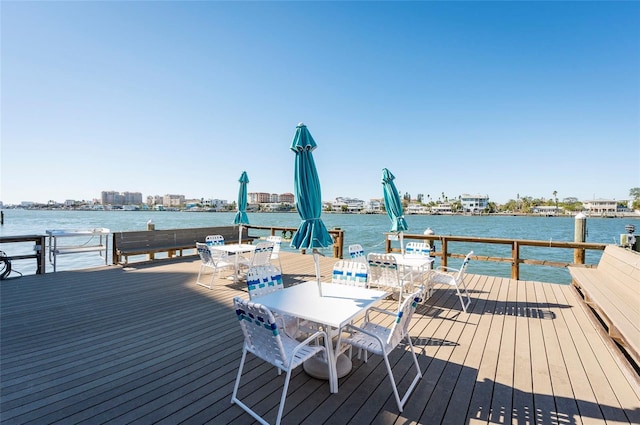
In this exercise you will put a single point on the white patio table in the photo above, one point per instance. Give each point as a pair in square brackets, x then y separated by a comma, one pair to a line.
[338, 306]
[419, 266]
[235, 250]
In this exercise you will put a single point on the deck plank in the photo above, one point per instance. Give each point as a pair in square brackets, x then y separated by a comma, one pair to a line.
[145, 344]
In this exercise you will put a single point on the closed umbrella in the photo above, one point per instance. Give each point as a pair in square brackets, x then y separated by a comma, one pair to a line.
[241, 216]
[393, 205]
[312, 233]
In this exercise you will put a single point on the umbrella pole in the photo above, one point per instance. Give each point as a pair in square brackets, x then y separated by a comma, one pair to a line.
[316, 260]
[402, 243]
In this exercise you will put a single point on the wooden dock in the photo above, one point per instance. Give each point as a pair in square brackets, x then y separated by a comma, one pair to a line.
[145, 344]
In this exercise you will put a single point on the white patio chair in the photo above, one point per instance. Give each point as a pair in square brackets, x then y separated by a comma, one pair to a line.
[214, 240]
[417, 249]
[380, 340]
[263, 339]
[265, 279]
[356, 252]
[453, 277]
[275, 254]
[384, 273]
[351, 273]
[262, 254]
[216, 261]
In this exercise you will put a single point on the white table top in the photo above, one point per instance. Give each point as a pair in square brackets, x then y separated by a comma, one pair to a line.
[339, 304]
[416, 261]
[234, 248]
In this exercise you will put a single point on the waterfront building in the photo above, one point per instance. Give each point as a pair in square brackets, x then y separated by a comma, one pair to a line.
[474, 203]
[352, 205]
[600, 206]
[270, 198]
[443, 208]
[287, 198]
[217, 204]
[154, 200]
[172, 201]
[131, 198]
[110, 197]
[417, 208]
[374, 206]
[258, 197]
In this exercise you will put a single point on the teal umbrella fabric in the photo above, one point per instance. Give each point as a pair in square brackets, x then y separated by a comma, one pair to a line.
[393, 205]
[312, 232]
[241, 216]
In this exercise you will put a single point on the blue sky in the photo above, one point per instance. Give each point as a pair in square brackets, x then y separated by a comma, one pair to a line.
[494, 98]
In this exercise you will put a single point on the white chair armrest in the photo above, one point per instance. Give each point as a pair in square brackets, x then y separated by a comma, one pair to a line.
[378, 310]
[446, 269]
[371, 334]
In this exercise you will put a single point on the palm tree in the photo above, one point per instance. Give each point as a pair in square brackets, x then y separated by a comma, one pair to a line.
[555, 193]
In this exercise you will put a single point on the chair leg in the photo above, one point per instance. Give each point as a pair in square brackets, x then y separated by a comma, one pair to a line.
[213, 275]
[284, 396]
[464, 305]
[393, 382]
[234, 398]
[237, 384]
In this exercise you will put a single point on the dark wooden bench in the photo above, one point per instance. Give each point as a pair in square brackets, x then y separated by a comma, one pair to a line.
[172, 241]
[612, 291]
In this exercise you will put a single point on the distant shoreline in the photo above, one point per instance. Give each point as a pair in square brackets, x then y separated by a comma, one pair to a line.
[629, 214]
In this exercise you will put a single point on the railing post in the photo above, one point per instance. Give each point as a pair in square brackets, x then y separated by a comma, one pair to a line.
[338, 243]
[444, 251]
[515, 257]
[41, 259]
[580, 233]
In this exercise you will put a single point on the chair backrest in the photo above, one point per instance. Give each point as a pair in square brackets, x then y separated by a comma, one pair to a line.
[277, 242]
[214, 240]
[204, 253]
[263, 280]
[417, 249]
[261, 333]
[356, 252]
[351, 273]
[262, 254]
[403, 318]
[463, 267]
[383, 270]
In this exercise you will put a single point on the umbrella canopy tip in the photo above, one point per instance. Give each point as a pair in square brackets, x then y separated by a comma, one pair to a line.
[301, 124]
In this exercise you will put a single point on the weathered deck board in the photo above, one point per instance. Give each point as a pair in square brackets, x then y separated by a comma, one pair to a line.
[145, 344]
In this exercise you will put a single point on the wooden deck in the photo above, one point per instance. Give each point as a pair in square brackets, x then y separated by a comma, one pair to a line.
[145, 344]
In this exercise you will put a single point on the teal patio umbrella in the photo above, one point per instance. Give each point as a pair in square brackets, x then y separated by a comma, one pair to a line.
[241, 216]
[312, 233]
[393, 205]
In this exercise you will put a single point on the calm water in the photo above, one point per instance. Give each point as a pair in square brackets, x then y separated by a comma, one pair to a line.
[368, 230]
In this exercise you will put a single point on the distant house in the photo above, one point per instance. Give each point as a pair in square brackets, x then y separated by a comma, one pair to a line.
[351, 205]
[374, 205]
[474, 203]
[443, 208]
[416, 208]
[600, 206]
